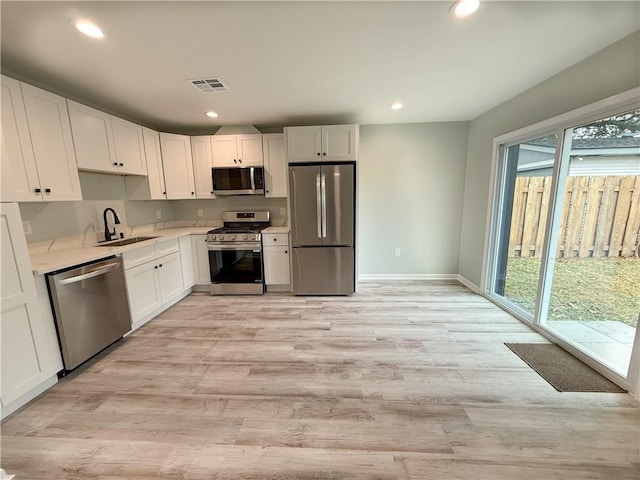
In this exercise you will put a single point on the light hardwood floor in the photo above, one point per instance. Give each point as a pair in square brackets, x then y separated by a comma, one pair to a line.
[404, 380]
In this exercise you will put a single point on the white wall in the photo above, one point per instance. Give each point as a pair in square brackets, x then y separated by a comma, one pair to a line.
[411, 180]
[610, 71]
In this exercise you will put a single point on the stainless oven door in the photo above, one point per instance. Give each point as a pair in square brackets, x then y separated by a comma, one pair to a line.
[236, 269]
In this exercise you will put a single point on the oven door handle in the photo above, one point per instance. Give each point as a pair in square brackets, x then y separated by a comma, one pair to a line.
[255, 247]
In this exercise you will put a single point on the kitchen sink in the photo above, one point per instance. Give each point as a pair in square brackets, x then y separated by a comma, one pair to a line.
[125, 241]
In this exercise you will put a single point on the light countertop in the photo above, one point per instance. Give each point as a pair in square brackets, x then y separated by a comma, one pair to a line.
[63, 255]
[59, 258]
[273, 229]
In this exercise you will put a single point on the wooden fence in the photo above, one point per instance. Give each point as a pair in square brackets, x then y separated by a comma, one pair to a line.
[600, 217]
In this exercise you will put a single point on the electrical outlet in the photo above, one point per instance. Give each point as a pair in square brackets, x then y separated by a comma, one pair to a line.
[158, 214]
[283, 212]
[26, 224]
[199, 212]
[397, 252]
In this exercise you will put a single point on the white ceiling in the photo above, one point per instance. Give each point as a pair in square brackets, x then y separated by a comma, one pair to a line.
[289, 63]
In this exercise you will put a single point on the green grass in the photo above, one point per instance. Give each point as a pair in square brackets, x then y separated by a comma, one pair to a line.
[583, 288]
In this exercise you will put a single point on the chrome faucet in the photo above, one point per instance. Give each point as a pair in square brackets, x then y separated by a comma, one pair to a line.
[107, 234]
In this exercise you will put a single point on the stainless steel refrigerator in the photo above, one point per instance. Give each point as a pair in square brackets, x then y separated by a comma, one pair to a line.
[323, 228]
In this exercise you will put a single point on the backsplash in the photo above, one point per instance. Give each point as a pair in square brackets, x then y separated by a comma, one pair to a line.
[49, 220]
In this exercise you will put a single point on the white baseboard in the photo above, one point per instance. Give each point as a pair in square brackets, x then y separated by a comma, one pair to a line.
[363, 277]
[469, 284]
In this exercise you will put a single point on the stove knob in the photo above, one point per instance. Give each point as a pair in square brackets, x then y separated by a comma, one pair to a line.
[245, 237]
[221, 237]
[233, 237]
[213, 237]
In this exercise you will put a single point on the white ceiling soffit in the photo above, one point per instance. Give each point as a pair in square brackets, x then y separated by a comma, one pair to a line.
[294, 63]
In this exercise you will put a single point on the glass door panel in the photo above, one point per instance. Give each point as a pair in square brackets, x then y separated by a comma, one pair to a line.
[594, 290]
[526, 190]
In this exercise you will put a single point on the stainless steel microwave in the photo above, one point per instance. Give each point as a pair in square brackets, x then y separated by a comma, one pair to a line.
[238, 180]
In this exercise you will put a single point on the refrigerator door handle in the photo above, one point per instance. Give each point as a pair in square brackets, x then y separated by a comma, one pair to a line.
[323, 188]
[318, 205]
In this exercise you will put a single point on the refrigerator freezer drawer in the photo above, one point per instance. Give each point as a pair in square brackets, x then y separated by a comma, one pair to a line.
[323, 271]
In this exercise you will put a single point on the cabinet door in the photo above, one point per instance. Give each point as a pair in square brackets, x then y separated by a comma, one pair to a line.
[304, 144]
[275, 165]
[225, 152]
[339, 143]
[129, 147]
[48, 120]
[178, 166]
[276, 265]
[170, 277]
[201, 257]
[155, 173]
[187, 261]
[18, 173]
[249, 150]
[92, 138]
[22, 348]
[143, 290]
[202, 163]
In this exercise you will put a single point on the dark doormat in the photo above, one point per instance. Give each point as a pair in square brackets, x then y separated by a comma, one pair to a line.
[561, 369]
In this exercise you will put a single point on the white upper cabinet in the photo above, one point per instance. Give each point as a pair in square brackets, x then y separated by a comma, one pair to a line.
[237, 150]
[202, 163]
[178, 166]
[129, 146]
[151, 187]
[104, 143]
[92, 138]
[329, 143]
[275, 165]
[38, 160]
[19, 174]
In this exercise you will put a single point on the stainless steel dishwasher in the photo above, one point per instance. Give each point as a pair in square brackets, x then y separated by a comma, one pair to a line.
[90, 307]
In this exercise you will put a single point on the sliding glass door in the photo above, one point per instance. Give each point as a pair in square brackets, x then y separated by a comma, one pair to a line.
[526, 182]
[565, 235]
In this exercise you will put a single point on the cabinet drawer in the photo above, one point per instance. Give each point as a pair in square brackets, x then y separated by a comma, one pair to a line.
[138, 256]
[167, 246]
[280, 239]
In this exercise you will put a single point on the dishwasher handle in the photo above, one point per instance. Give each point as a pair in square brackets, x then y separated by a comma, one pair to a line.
[93, 273]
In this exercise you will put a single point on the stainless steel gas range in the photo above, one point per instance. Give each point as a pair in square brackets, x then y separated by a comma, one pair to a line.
[235, 253]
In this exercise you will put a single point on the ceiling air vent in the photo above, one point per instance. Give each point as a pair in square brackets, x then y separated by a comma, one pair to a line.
[208, 85]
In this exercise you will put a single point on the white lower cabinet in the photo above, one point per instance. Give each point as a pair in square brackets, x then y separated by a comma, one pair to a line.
[29, 357]
[276, 253]
[201, 259]
[143, 289]
[154, 280]
[188, 262]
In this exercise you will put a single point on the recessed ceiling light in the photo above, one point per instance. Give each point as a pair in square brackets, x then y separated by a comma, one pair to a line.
[90, 29]
[211, 114]
[462, 8]
[397, 106]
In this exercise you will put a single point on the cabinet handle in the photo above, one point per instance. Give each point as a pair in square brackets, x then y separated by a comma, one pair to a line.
[161, 265]
[38, 190]
[115, 164]
[164, 193]
[324, 153]
[47, 190]
[156, 267]
[235, 161]
[318, 153]
[193, 193]
[239, 160]
[121, 164]
[286, 251]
